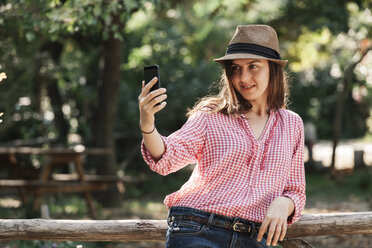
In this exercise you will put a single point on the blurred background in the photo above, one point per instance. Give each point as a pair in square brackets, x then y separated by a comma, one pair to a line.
[74, 70]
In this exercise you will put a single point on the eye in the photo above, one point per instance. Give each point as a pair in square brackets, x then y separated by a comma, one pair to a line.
[234, 68]
[253, 66]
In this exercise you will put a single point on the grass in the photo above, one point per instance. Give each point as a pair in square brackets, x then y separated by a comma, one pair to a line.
[322, 187]
[367, 137]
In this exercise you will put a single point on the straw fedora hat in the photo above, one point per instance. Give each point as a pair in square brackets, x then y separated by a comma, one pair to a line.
[253, 42]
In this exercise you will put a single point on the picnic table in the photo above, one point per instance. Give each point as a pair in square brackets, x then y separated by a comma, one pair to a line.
[47, 182]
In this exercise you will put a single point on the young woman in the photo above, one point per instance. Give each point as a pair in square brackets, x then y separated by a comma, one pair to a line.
[249, 181]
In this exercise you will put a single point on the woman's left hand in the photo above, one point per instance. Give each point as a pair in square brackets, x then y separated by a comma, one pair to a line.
[276, 220]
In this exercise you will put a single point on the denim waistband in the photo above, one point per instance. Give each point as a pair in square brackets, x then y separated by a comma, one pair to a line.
[173, 211]
[210, 219]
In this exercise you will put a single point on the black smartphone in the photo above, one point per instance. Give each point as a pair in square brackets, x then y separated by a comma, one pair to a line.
[150, 72]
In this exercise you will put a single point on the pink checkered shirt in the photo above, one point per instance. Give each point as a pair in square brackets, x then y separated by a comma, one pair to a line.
[236, 174]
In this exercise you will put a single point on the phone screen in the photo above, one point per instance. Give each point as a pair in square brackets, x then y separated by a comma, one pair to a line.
[150, 72]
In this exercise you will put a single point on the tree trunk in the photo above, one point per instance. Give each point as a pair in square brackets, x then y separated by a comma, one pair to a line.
[106, 113]
[59, 120]
[337, 124]
[61, 124]
[338, 114]
[37, 87]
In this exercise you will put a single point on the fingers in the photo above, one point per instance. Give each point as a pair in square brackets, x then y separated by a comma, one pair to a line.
[284, 231]
[153, 102]
[159, 107]
[277, 229]
[263, 229]
[275, 235]
[150, 101]
[271, 233]
[146, 98]
[147, 87]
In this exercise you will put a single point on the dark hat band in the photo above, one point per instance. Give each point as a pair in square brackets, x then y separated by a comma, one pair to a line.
[253, 49]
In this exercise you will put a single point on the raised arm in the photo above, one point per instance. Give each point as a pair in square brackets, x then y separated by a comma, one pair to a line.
[147, 102]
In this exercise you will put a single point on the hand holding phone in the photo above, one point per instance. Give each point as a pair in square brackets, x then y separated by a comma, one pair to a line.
[151, 100]
[150, 72]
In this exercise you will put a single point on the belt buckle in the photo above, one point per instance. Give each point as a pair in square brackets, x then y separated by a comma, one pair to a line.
[240, 227]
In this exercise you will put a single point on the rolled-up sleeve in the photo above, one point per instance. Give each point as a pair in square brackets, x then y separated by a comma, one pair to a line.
[182, 147]
[295, 187]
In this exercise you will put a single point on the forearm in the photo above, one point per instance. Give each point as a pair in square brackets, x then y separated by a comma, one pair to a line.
[154, 144]
[149, 104]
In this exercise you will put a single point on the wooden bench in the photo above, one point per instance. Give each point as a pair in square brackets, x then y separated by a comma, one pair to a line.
[65, 183]
[33, 186]
[54, 157]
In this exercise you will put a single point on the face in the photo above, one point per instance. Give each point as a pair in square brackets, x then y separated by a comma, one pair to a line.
[250, 77]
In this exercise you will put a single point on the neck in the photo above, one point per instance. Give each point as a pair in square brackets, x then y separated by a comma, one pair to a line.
[260, 110]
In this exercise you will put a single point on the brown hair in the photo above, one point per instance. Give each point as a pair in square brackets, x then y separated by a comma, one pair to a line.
[229, 101]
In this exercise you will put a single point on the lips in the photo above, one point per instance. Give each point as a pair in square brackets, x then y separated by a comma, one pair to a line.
[247, 87]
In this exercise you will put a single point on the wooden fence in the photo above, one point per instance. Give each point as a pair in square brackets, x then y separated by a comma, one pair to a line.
[154, 230]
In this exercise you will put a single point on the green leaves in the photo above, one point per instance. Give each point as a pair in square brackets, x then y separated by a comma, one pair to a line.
[318, 37]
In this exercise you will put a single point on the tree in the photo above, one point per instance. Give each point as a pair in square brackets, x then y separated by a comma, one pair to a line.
[83, 62]
[59, 21]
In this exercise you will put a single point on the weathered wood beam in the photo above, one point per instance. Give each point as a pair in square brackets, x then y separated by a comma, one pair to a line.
[332, 224]
[154, 230]
[83, 230]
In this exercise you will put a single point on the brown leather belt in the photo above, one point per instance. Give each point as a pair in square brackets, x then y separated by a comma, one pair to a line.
[232, 224]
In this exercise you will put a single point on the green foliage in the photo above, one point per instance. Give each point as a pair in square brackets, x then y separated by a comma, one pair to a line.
[320, 38]
[352, 187]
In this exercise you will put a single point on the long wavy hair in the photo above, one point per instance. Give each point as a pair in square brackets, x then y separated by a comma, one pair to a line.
[230, 102]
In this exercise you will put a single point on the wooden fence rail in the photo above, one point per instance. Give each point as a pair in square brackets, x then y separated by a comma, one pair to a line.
[154, 230]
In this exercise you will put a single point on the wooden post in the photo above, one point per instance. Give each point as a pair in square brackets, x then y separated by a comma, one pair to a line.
[44, 177]
[78, 160]
[155, 230]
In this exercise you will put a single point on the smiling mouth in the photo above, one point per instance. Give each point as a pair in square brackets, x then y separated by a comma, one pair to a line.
[248, 87]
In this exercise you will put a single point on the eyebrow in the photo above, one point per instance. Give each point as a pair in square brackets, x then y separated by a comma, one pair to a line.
[251, 62]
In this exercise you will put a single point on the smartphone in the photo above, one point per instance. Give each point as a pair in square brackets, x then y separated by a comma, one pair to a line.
[150, 72]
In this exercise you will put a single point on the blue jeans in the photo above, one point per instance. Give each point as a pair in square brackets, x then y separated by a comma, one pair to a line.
[191, 234]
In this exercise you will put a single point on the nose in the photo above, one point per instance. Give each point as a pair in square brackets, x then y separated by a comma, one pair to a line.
[246, 75]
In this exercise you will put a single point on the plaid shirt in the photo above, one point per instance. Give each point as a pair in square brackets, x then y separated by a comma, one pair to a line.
[236, 173]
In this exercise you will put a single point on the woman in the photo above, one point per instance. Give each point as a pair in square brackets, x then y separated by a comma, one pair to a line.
[249, 181]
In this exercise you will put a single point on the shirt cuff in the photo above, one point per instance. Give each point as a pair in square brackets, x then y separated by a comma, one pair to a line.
[297, 207]
[157, 166]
